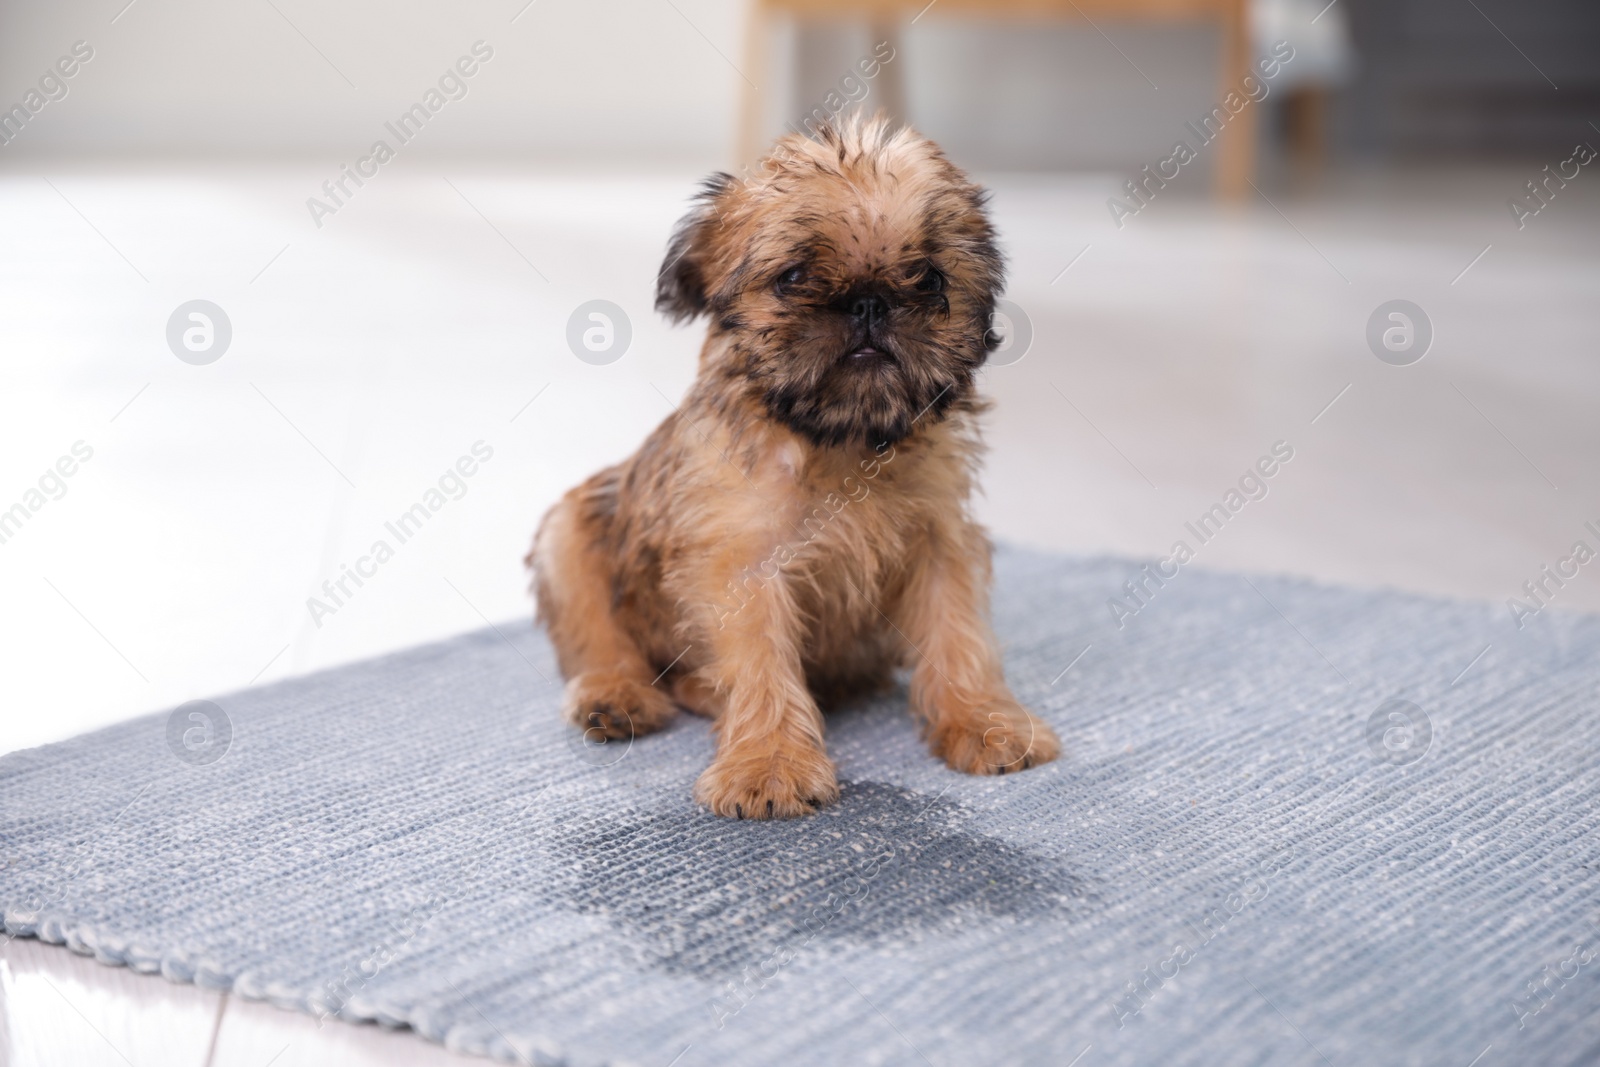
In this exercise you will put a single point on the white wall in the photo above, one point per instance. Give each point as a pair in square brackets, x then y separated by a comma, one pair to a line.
[615, 78]
[596, 83]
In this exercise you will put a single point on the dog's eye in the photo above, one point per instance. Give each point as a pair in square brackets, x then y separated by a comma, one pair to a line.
[790, 278]
[931, 281]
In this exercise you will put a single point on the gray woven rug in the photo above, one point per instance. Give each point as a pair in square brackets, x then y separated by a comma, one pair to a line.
[1294, 825]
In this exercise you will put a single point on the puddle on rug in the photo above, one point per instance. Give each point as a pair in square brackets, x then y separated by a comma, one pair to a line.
[704, 896]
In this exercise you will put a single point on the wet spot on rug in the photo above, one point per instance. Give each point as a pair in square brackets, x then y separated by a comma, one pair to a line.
[704, 896]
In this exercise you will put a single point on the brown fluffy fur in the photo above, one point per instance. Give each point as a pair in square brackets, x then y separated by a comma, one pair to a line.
[800, 526]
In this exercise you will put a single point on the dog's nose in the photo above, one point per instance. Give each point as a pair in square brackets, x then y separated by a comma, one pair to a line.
[869, 308]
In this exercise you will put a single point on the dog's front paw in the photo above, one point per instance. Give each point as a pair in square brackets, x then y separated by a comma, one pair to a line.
[616, 706]
[795, 779]
[994, 738]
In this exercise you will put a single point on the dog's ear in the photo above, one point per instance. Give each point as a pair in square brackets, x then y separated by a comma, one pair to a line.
[681, 287]
[983, 270]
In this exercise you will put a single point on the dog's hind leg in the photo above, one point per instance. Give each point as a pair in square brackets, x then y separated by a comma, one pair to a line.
[609, 678]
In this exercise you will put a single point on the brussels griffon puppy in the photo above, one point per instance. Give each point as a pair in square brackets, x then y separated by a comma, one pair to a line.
[800, 526]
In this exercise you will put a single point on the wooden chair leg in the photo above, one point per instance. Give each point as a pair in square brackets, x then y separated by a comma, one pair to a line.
[1236, 154]
[1306, 108]
[890, 85]
[752, 104]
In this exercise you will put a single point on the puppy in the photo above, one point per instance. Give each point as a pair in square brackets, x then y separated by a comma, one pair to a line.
[800, 526]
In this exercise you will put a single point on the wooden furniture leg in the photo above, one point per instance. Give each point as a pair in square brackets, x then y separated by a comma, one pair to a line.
[752, 103]
[890, 85]
[1306, 108]
[1236, 152]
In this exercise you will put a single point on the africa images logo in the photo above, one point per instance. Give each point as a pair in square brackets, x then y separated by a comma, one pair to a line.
[199, 732]
[199, 332]
[1399, 733]
[452, 85]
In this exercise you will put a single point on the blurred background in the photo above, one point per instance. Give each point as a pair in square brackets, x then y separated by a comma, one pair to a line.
[178, 495]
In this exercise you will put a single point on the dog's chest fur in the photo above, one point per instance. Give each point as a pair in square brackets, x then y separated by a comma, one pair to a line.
[843, 527]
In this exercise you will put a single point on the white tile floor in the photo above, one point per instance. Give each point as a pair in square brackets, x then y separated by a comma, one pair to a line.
[370, 354]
